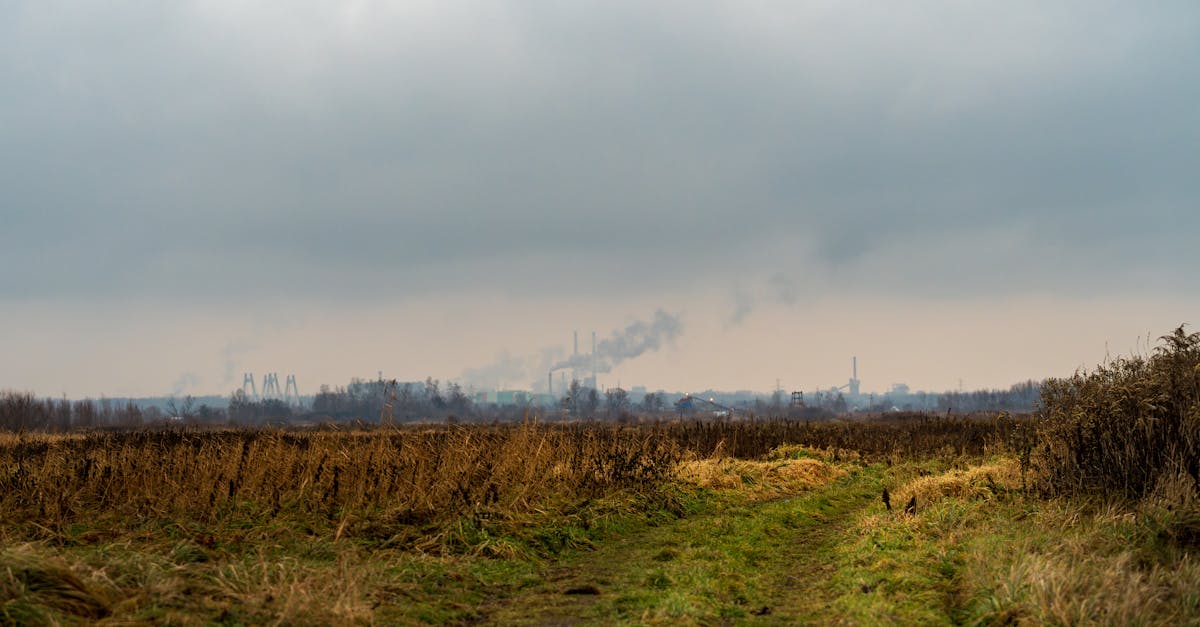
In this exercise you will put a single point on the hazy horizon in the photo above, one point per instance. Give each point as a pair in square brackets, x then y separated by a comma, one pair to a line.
[985, 192]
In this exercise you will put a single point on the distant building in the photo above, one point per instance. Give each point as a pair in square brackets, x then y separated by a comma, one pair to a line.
[506, 397]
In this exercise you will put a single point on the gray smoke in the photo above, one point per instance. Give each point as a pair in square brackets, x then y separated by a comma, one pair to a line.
[506, 371]
[635, 339]
[185, 382]
[743, 304]
[231, 358]
[782, 289]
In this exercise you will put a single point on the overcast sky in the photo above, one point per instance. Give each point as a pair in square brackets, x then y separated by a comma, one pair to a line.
[984, 191]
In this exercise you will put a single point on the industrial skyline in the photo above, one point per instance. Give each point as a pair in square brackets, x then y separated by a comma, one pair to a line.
[271, 390]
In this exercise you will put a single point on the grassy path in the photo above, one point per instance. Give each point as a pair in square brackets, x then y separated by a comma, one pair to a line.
[765, 563]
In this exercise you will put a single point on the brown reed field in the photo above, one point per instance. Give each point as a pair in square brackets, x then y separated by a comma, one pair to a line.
[49, 482]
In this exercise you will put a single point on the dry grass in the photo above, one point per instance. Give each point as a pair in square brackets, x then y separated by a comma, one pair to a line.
[40, 585]
[293, 593]
[342, 480]
[976, 482]
[188, 527]
[1120, 428]
[31, 583]
[802, 451]
[253, 526]
[49, 482]
[978, 541]
[759, 480]
[1100, 567]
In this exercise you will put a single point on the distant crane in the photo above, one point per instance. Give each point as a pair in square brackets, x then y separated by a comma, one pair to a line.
[270, 386]
[249, 390]
[291, 392]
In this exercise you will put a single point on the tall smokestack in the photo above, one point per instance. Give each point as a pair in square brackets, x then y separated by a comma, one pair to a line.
[576, 342]
[594, 384]
[550, 383]
[854, 382]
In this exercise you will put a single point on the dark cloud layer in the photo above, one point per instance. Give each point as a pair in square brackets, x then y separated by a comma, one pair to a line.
[225, 150]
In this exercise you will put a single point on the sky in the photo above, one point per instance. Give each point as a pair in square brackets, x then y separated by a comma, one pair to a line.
[732, 195]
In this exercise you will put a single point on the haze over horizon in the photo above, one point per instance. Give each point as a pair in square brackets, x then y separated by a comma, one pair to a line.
[985, 192]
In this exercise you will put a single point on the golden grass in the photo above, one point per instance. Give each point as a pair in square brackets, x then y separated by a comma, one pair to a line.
[800, 451]
[760, 480]
[295, 593]
[976, 482]
[49, 482]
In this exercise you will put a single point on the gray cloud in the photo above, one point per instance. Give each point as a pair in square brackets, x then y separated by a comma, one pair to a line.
[203, 151]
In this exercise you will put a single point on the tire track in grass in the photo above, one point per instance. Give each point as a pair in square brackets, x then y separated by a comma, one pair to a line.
[804, 581]
[764, 563]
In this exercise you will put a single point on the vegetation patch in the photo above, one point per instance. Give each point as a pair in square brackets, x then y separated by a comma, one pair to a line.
[1075, 563]
[1125, 427]
[976, 482]
[34, 589]
[759, 480]
[737, 558]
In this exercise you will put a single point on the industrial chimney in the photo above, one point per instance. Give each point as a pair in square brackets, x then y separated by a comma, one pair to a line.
[854, 376]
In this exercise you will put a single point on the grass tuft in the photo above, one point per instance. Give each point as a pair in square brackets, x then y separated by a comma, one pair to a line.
[758, 480]
[977, 482]
[31, 585]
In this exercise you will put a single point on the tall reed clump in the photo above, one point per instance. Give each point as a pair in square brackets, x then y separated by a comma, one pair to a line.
[909, 435]
[111, 479]
[1127, 428]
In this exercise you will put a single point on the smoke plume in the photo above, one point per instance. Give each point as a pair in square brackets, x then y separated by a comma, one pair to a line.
[622, 345]
[635, 339]
[185, 382]
[231, 358]
[507, 370]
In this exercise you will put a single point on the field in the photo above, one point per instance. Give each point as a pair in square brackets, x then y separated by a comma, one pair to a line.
[772, 521]
[1086, 512]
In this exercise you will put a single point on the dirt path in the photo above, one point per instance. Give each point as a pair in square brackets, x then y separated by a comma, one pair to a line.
[765, 563]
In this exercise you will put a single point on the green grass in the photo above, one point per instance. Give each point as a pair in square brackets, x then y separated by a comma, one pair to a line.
[735, 559]
[233, 571]
[1003, 557]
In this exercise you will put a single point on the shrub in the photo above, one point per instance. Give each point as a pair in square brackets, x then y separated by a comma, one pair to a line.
[1124, 427]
